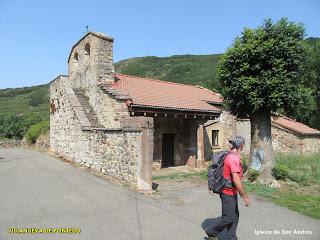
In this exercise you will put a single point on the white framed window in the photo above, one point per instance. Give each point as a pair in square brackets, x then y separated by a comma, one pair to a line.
[215, 137]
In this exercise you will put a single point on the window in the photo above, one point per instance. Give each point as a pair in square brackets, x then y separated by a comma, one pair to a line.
[87, 48]
[76, 57]
[215, 137]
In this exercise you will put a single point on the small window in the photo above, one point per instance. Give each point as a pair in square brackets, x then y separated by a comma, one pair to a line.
[76, 57]
[215, 137]
[87, 48]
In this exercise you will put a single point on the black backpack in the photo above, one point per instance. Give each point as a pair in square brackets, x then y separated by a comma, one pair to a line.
[216, 181]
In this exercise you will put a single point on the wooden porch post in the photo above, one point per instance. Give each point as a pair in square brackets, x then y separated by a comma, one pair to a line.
[200, 146]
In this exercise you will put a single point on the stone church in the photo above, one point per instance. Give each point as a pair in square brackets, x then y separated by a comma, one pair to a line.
[125, 126]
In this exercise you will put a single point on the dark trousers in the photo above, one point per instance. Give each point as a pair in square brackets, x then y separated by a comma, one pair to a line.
[229, 218]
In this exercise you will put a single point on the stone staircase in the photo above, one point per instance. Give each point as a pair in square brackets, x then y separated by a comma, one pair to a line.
[84, 101]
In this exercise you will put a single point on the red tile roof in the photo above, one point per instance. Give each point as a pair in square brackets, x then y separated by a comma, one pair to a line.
[294, 126]
[154, 93]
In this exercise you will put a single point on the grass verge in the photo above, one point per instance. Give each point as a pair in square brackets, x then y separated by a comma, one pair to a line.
[289, 197]
[297, 198]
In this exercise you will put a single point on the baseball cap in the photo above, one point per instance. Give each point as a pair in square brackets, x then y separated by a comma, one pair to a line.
[237, 141]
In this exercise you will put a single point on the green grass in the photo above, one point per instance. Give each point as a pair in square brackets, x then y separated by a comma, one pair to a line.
[304, 203]
[302, 168]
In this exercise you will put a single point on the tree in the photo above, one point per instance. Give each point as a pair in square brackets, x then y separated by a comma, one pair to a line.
[261, 73]
[313, 79]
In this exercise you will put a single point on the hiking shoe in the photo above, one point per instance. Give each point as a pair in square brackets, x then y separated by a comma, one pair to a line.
[211, 237]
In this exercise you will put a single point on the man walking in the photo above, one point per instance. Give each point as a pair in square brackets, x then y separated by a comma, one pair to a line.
[232, 170]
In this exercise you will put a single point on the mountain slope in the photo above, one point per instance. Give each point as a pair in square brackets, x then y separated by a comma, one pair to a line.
[189, 69]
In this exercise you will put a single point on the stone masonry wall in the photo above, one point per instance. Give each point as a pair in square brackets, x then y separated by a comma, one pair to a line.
[285, 141]
[311, 144]
[114, 152]
[91, 68]
[244, 130]
[226, 125]
[95, 65]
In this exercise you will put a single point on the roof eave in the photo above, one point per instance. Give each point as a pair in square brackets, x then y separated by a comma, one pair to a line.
[294, 130]
[176, 109]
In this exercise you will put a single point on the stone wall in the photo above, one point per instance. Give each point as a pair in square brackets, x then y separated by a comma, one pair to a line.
[91, 68]
[226, 125]
[311, 144]
[244, 130]
[285, 141]
[91, 60]
[116, 151]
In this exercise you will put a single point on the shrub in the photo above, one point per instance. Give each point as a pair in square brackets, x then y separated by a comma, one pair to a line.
[14, 125]
[36, 130]
[280, 172]
[252, 175]
[37, 98]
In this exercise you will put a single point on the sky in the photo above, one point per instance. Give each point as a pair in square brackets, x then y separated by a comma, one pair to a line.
[37, 36]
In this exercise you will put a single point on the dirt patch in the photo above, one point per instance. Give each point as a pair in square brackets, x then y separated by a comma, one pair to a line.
[175, 170]
[174, 184]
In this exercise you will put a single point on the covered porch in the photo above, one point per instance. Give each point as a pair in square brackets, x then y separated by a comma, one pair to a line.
[178, 136]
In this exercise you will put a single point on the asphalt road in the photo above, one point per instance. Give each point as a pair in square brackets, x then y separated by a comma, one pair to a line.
[40, 191]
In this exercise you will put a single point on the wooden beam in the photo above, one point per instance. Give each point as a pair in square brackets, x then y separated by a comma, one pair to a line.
[200, 146]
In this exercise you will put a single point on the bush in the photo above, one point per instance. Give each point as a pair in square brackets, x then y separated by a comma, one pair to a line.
[14, 125]
[36, 130]
[280, 172]
[37, 98]
[253, 175]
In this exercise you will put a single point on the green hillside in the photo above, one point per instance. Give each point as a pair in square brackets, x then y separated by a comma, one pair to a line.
[25, 100]
[20, 108]
[189, 69]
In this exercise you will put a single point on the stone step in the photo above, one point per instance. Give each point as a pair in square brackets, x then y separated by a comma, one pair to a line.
[88, 110]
